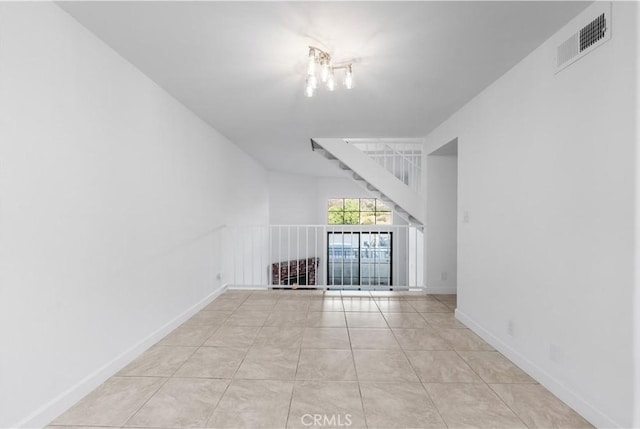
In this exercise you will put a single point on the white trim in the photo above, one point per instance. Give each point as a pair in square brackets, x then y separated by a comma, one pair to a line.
[441, 290]
[248, 287]
[52, 409]
[555, 386]
[363, 288]
[390, 140]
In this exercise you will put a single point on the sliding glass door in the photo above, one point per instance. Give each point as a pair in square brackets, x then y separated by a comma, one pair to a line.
[359, 259]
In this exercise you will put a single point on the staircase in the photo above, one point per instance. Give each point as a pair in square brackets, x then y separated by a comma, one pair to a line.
[378, 167]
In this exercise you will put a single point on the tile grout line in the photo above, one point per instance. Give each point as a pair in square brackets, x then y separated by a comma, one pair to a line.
[295, 375]
[295, 379]
[213, 410]
[202, 345]
[419, 379]
[487, 384]
[434, 403]
[355, 369]
[507, 405]
[174, 372]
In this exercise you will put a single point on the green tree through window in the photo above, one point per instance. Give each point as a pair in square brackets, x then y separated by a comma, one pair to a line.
[358, 211]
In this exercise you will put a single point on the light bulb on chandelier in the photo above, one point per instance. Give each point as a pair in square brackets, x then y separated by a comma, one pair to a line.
[311, 67]
[309, 90]
[324, 71]
[331, 82]
[348, 78]
[321, 60]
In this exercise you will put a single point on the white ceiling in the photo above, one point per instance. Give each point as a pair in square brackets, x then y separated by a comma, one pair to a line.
[241, 65]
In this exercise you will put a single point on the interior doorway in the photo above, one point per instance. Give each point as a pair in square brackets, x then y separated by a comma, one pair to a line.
[442, 219]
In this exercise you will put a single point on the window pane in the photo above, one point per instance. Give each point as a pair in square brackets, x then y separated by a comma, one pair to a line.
[335, 204]
[383, 218]
[351, 218]
[367, 204]
[343, 257]
[335, 218]
[335, 215]
[367, 218]
[382, 207]
[351, 204]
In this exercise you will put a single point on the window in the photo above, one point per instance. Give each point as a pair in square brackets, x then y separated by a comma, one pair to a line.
[358, 211]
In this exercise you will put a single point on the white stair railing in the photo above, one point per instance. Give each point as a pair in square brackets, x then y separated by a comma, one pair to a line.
[367, 257]
[401, 157]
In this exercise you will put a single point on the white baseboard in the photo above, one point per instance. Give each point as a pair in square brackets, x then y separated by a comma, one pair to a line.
[555, 386]
[52, 409]
[441, 290]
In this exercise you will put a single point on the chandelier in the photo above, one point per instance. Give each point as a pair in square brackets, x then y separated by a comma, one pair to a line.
[321, 69]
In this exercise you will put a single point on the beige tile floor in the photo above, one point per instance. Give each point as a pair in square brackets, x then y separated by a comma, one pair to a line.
[300, 359]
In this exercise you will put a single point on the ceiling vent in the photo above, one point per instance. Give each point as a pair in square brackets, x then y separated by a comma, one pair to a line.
[585, 36]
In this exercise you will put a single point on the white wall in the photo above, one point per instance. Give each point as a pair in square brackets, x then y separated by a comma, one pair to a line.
[546, 172]
[293, 199]
[109, 191]
[442, 225]
[636, 300]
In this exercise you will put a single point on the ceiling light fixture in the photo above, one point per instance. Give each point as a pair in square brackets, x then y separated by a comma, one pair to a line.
[319, 59]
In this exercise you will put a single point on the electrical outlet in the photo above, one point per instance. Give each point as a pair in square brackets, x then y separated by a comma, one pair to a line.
[465, 216]
[219, 276]
[443, 276]
[511, 330]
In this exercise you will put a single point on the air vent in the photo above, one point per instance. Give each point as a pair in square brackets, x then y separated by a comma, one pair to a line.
[593, 32]
[568, 50]
[586, 37]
